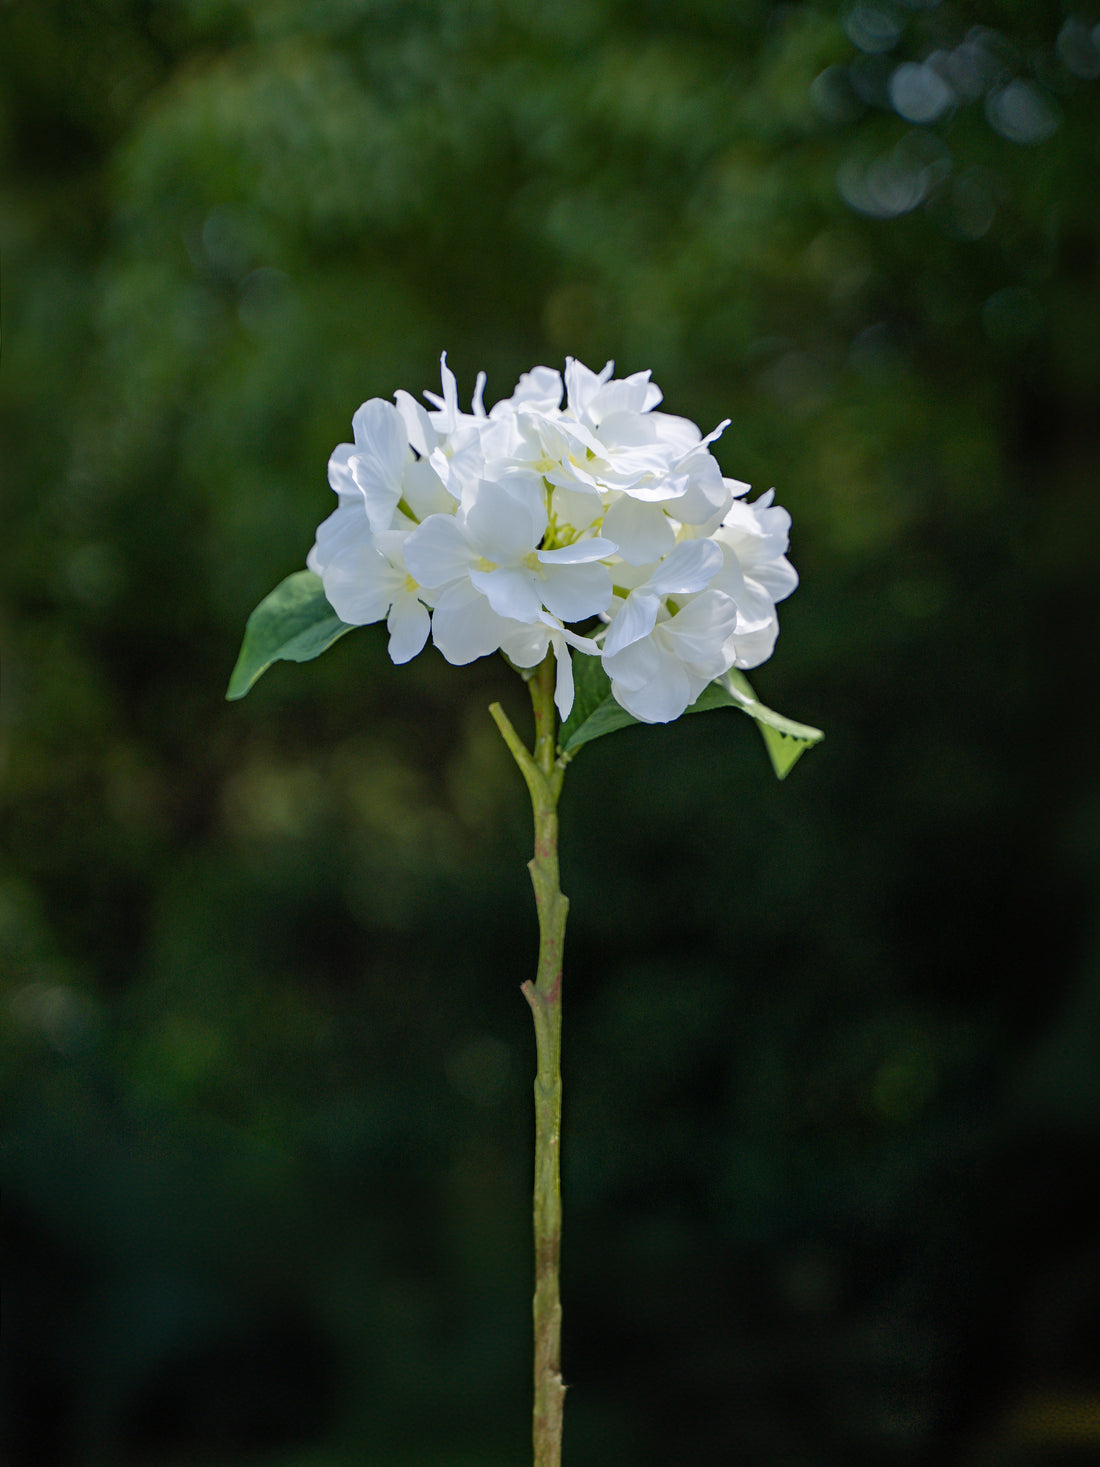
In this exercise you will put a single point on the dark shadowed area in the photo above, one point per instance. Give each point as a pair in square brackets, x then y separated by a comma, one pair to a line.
[832, 1054]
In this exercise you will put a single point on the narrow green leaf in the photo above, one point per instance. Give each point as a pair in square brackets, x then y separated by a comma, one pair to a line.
[596, 713]
[294, 623]
[785, 740]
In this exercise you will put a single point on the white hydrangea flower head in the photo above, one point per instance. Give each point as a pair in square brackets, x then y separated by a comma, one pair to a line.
[572, 516]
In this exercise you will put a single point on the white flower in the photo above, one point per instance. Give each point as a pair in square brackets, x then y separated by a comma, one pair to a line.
[448, 416]
[759, 534]
[526, 646]
[593, 397]
[657, 676]
[688, 568]
[365, 579]
[493, 542]
[373, 467]
[538, 390]
[755, 574]
[644, 520]
[448, 440]
[464, 625]
[572, 499]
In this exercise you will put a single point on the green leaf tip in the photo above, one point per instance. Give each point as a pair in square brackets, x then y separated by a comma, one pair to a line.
[596, 713]
[785, 740]
[294, 623]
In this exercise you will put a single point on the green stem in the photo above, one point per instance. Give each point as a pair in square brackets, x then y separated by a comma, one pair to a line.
[543, 775]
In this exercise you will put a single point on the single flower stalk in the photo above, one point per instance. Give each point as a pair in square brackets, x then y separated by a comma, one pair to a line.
[596, 544]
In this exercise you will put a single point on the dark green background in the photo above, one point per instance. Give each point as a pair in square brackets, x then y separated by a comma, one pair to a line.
[832, 1131]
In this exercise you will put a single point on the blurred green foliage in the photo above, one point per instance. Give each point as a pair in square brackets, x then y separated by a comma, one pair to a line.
[833, 1138]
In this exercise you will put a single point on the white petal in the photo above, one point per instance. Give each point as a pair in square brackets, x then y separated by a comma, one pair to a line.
[635, 394]
[509, 592]
[688, 567]
[464, 625]
[446, 418]
[421, 435]
[478, 401]
[575, 592]
[459, 461]
[577, 507]
[359, 583]
[506, 520]
[634, 666]
[539, 389]
[629, 429]
[582, 384]
[339, 473]
[563, 683]
[650, 683]
[424, 492]
[758, 535]
[706, 498]
[635, 620]
[698, 632]
[408, 624]
[642, 532]
[657, 702]
[753, 647]
[643, 684]
[715, 433]
[586, 645]
[379, 458]
[779, 578]
[731, 578]
[344, 525]
[755, 607]
[438, 551]
[579, 552]
[526, 645]
[681, 434]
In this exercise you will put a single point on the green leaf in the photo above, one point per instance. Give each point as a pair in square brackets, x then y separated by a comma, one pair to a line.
[596, 713]
[785, 740]
[294, 623]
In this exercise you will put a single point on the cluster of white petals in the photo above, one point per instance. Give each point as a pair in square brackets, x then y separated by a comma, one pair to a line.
[509, 529]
